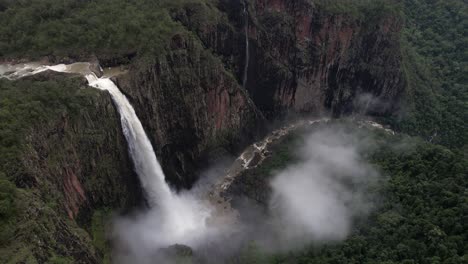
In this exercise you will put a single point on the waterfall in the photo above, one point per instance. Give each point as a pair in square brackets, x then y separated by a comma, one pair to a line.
[141, 151]
[247, 51]
[172, 218]
[139, 146]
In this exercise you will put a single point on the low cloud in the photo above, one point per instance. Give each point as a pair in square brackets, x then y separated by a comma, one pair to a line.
[318, 198]
[367, 103]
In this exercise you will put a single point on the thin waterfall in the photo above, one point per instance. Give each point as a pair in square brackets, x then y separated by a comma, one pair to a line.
[247, 50]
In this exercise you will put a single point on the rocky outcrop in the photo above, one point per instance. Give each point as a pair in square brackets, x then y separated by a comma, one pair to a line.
[189, 105]
[307, 59]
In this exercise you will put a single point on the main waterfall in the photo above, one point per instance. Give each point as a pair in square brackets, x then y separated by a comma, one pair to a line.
[172, 218]
[141, 151]
[139, 146]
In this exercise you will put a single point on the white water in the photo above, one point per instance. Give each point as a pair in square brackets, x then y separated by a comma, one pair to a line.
[173, 218]
[146, 164]
[247, 50]
[27, 69]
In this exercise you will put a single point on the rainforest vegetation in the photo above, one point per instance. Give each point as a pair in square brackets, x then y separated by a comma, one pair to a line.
[421, 205]
[436, 65]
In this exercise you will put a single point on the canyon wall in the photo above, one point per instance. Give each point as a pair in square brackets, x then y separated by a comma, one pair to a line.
[191, 107]
[305, 58]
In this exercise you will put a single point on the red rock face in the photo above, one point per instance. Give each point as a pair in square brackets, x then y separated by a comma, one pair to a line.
[327, 62]
[308, 60]
[74, 193]
[303, 29]
[336, 35]
[223, 106]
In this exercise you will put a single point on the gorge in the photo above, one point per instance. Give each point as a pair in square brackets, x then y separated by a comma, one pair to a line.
[187, 218]
[218, 131]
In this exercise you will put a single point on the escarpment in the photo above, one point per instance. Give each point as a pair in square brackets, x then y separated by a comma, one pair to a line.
[305, 58]
[190, 97]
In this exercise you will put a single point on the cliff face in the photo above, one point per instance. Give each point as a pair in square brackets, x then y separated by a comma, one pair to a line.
[72, 165]
[323, 61]
[190, 106]
[303, 59]
[306, 59]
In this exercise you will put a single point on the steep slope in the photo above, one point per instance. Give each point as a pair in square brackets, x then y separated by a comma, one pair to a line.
[63, 163]
[307, 57]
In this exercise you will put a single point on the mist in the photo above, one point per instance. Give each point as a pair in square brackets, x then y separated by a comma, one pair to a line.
[315, 200]
[365, 103]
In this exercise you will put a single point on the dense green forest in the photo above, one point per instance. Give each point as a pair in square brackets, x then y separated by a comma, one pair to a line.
[420, 215]
[110, 28]
[435, 55]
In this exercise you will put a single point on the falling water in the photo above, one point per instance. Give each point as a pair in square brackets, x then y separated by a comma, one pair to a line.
[247, 50]
[146, 164]
[173, 218]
